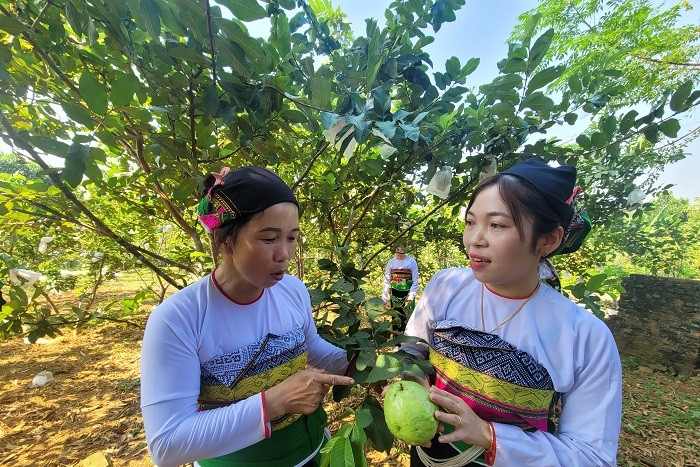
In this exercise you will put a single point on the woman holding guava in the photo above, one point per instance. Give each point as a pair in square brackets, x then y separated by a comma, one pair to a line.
[508, 349]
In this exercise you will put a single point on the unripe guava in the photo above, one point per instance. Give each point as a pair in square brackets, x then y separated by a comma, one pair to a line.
[409, 412]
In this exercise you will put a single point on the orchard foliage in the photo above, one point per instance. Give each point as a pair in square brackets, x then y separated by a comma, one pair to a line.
[139, 99]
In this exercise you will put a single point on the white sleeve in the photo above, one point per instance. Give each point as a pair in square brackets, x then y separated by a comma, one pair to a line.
[176, 433]
[322, 354]
[589, 425]
[386, 281]
[414, 278]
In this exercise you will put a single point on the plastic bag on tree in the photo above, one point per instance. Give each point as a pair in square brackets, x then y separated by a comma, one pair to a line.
[43, 243]
[441, 182]
[20, 276]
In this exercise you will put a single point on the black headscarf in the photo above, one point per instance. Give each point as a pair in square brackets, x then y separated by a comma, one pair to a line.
[555, 184]
[234, 193]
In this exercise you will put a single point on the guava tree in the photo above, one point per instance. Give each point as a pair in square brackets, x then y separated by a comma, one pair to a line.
[139, 99]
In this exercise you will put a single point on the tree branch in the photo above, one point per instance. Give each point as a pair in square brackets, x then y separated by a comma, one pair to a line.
[41, 14]
[372, 196]
[22, 144]
[668, 62]
[453, 196]
[318, 154]
[28, 37]
[207, 8]
[177, 217]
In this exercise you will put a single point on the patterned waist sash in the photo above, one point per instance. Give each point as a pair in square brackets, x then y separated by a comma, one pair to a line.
[401, 279]
[250, 370]
[499, 382]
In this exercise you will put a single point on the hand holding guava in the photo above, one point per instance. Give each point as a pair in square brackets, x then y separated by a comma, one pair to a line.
[468, 426]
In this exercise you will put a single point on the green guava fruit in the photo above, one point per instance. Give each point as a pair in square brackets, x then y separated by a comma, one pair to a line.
[409, 412]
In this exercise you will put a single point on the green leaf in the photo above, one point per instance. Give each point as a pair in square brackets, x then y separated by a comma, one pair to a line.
[210, 101]
[530, 27]
[506, 82]
[76, 18]
[502, 109]
[293, 116]
[378, 432]
[374, 167]
[358, 439]
[11, 25]
[679, 97]
[599, 139]
[670, 127]
[185, 53]
[651, 133]
[583, 141]
[123, 89]
[186, 189]
[232, 54]
[627, 121]
[74, 167]
[50, 146]
[594, 283]
[254, 52]
[452, 67]
[78, 114]
[150, 18]
[538, 102]
[93, 93]
[341, 454]
[539, 48]
[471, 65]
[388, 129]
[321, 91]
[329, 119]
[386, 367]
[283, 36]
[574, 84]
[382, 101]
[318, 296]
[570, 118]
[245, 10]
[411, 131]
[544, 77]
[608, 125]
[363, 418]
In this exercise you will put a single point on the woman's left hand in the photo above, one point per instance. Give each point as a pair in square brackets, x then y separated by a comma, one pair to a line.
[468, 426]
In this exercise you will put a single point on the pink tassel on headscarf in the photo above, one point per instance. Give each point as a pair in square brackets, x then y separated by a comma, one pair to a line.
[574, 194]
[218, 178]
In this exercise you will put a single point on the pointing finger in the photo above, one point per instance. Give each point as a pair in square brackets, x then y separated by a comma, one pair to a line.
[335, 380]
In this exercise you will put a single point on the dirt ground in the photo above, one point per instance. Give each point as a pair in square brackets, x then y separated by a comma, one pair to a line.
[89, 414]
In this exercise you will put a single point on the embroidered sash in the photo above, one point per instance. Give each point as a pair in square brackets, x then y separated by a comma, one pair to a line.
[250, 370]
[401, 279]
[499, 382]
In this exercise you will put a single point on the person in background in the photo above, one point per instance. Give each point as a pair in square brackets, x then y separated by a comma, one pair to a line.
[524, 375]
[224, 376]
[400, 285]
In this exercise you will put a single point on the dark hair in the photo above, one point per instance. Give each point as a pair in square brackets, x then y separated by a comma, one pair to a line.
[522, 201]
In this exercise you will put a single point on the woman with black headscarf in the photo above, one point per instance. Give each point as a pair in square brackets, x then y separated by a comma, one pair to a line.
[224, 378]
[507, 349]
